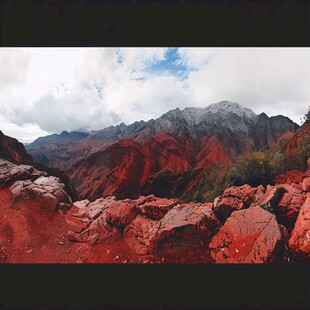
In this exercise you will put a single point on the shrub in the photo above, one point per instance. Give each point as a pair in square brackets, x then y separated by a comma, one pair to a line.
[254, 169]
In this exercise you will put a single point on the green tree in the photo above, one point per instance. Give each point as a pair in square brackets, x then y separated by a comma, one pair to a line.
[254, 169]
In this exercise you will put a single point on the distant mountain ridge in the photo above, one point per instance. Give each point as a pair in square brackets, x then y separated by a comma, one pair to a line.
[121, 159]
[223, 117]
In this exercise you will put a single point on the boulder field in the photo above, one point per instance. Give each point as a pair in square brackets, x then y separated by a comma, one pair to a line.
[243, 225]
[41, 223]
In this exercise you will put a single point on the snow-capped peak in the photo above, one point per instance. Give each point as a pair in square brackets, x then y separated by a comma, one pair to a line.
[232, 107]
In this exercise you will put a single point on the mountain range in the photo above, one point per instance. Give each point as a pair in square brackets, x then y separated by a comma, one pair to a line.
[45, 221]
[123, 160]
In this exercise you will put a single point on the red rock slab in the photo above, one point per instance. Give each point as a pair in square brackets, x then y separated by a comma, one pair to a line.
[143, 199]
[292, 177]
[156, 209]
[140, 234]
[75, 224]
[234, 198]
[271, 198]
[248, 236]
[289, 205]
[185, 225]
[99, 231]
[306, 184]
[120, 213]
[260, 192]
[299, 242]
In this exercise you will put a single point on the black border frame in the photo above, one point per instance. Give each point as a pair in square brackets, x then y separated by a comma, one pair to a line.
[221, 23]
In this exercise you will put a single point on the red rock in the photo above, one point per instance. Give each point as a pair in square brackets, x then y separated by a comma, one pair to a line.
[120, 213]
[215, 150]
[140, 235]
[13, 150]
[184, 226]
[308, 163]
[234, 198]
[45, 191]
[143, 199]
[299, 242]
[271, 198]
[293, 177]
[75, 225]
[289, 205]
[260, 192]
[99, 231]
[156, 209]
[81, 203]
[248, 236]
[306, 184]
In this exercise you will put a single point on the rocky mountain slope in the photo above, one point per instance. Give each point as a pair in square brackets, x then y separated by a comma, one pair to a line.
[131, 158]
[42, 223]
[241, 127]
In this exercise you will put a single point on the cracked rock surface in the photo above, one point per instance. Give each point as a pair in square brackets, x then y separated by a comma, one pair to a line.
[248, 236]
[47, 191]
[300, 239]
[106, 219]
[9, 173]
[235, 198]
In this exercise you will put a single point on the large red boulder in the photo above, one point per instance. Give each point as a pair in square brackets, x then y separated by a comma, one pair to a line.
[157, 208]
[292, 177]
[140, 235]
[121, 212]
[181, 228]
[248, 236]
[306, 184]
[47, 191]
[100, 231]
[272, 196]
[87, 221]
[299, 242]
[184, 226]
[289, 205]
[234, 198]
[10, 172]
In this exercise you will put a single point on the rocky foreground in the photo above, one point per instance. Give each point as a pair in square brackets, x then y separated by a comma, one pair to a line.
[40, 223]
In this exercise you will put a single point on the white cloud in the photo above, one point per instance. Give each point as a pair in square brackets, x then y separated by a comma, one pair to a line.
[273, 80]
[25, 134]
[69, 88]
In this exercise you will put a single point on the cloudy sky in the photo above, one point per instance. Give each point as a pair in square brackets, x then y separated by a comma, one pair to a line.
[48, 90]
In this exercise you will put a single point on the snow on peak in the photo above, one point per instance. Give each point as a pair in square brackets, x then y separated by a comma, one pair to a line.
[230, 107]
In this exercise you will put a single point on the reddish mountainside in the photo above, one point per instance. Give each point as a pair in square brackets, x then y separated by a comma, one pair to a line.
[298, 148]
[122, 168]
[59, 151]
[11, 149]
[162, 165]
[130, 160]
[41, 224]
[14, 151]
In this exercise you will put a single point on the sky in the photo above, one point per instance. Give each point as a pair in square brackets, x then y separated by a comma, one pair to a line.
[48, 90]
